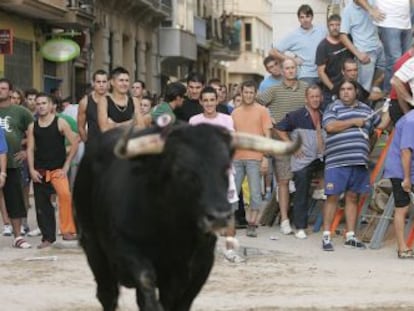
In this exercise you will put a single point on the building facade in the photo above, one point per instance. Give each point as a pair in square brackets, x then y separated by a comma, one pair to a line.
[255, 22]
[32, 23]
[110, 33]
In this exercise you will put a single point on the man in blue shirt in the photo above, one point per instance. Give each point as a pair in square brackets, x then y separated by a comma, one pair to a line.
[274, 69]
[365, 44]
[306, 122]
[301, 45]
[399, 167]
[347, 150]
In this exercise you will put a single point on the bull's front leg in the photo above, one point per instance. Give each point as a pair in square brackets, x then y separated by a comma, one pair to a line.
[107, 284]
[200, 267]
[146, 292]
[135, 271]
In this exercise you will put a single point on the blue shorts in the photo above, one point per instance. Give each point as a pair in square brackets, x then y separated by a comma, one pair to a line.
[347, 178]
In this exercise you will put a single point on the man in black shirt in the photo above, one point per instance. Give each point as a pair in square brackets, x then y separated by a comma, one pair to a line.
[350, 72]
[222, 106]
[49, 166]
[191, 106]
[118, 108]
[330, 55]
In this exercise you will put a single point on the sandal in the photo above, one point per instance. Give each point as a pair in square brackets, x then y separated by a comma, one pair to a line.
[19, 242]
[407, 254]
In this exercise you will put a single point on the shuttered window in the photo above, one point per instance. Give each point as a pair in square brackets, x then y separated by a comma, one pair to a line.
[18, 67]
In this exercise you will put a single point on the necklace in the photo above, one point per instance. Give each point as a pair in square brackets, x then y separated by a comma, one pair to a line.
[118, 107]
[121, 108]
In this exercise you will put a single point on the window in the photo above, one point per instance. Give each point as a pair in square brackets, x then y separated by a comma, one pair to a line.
[18, 67]
[136, 57]
[247, 36]
[110, 50]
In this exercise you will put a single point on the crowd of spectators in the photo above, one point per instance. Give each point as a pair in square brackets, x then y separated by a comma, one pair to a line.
[323, 84]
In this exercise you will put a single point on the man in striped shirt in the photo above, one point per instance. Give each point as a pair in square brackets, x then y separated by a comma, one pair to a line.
[347, 149]
[282, 99]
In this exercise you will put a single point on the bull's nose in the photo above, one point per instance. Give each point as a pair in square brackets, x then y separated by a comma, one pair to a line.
[217, 220]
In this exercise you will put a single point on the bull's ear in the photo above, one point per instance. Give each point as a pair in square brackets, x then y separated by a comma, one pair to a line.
[164, 120]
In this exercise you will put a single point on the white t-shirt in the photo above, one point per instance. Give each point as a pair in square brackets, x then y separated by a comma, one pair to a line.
[406, 73]
[397, 13]
[225, 121]
[221, 119]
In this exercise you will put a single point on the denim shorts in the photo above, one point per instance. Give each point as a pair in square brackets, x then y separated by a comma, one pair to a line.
[347, 178]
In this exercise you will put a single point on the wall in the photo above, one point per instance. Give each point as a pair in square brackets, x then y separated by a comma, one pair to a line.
[23, 28]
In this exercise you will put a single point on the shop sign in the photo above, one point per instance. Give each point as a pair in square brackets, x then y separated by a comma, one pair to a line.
[6, 41]
[60, 50]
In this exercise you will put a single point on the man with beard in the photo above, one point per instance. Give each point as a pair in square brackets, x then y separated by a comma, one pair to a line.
[330, 55]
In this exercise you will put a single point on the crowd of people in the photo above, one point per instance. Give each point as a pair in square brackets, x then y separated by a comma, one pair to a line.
[323, 83]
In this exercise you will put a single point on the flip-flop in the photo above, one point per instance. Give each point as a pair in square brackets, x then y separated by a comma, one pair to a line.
[19, 242]
[407, 254]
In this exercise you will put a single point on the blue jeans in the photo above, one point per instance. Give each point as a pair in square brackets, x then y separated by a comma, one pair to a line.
[396, 42]
[251, 169]
[366, 71]
[302, 179]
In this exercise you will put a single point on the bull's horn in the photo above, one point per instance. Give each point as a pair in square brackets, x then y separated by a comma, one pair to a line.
[147, 144]
[263, 144]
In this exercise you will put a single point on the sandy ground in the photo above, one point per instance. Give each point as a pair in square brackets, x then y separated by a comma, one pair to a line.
[281, 274]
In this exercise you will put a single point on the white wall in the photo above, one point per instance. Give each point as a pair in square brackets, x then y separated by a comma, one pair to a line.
[284, 18]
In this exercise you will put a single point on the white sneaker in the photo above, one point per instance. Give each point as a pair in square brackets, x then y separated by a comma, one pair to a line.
[35, 232]
[319, 194]
[7, 230]
[301, 234]
[285, 227]
[232, 256]
[292, 188]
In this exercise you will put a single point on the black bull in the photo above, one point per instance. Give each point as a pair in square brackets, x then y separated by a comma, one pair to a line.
[148, 222]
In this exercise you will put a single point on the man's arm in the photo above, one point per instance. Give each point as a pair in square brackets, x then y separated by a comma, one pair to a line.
[83, 104]
[341, 125]
[3, 168]
[283, 135]
[3, 158]
[278, 55]
[406, 155]
[265, 98]
[73, 139]
[103, 121]
[324, 77]
[404, 97]
[141, 122]
[36, 177]
[362, 57]
[376, 14]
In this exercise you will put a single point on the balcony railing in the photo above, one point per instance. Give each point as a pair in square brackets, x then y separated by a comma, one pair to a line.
[225, 31]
